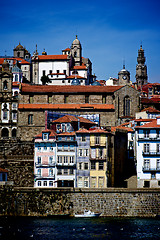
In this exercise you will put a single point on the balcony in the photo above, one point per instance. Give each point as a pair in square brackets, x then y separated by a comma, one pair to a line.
[151, 153]
[40, 177]
[41, 165]
[141, 138]
[149, 169]
[104, 157]
[66, 165]
[98, 144]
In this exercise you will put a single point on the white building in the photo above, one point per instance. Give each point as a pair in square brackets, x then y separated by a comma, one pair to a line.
[61, 68]
[45, 159]
[148, 154]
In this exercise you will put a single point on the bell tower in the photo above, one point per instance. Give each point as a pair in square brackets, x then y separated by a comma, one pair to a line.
[76, 52]
[141, 69]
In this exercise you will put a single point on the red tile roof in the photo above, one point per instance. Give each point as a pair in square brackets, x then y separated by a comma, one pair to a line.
[67, 49]
[143, 120]
[128, 129]
[51, 133]
[80, 67]
[20, 60]
[3, 170]
[150, 110]
[90, 131]
[66, 106]
[69, 118]
[151, 124]
[15, 84]
[53, 57]
[26, 88]
[75, 76]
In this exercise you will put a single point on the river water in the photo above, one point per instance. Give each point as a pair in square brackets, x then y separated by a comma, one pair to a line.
[26, 228]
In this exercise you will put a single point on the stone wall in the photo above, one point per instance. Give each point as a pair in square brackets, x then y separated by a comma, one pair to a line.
[110, 202]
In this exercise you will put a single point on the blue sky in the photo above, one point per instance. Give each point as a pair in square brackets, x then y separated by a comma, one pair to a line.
[109, 31]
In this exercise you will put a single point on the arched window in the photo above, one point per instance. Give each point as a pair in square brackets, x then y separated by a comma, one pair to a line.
[5, 85]
[51, 172]
[127, 103]
[16, 93]
[5, 133]
[5, 114]
[75, 54]
[14, 133]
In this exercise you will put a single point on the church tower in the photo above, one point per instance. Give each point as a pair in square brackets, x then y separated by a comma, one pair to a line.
[123, 76]
[76, 52]
[141, 69]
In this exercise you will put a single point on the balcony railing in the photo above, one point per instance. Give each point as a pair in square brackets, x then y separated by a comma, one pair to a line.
[148, 138]
[104, 157]
[149, 169]
[66, 164]
[151, 153]
[45, 164]
[39, 176]
[97, 144]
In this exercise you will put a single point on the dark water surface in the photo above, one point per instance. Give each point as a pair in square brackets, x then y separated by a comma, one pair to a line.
[26, 228]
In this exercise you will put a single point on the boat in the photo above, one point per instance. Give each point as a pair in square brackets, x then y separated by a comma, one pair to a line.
[88, 214]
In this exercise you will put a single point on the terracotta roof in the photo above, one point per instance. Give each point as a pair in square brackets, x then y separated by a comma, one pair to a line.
[52, 57]
[143, 120]
[51, 135]
[152, 124]
[90, 131]
[66, 106]
[75, 76]
[150, 100]
[68, 89]
[66, 133]
[128, 129]
[3, 170]
[80, 67]
[69, 118]
[20, 60]
[150, 110]
[67, 49]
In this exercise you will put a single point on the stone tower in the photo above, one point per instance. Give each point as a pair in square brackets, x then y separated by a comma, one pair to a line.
[35, 67]
[141, 69]
[123, 76]
[76, 52]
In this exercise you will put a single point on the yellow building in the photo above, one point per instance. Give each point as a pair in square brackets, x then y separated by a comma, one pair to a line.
[98, 158]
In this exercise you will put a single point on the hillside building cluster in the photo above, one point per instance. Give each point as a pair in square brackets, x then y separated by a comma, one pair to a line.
[85, 132]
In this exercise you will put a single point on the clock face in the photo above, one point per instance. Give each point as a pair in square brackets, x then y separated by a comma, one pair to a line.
[124, 77]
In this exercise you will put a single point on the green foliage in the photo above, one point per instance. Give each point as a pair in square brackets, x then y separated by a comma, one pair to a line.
[45, 79]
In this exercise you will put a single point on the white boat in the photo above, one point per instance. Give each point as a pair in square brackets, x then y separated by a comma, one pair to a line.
[88, 214]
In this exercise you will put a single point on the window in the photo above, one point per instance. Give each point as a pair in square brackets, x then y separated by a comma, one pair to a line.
[14, 116]
[86, 182]
[65, 159]
[59, 171]
[5, 114]
[158, 148]
[75, 54]
[65, 147]
[101, 182]
[51, 183]
[64, 71]
[80, 153]
[97, 139]
[50, 160]
[93, 165]
[100, 152]
[30, 99]
[127, 106]
[59, 159]
[5, 85]
[45, 148]
[16, 78]
[66, 99]
[65, 171]
[45, 183]
[45, 136]
[103, 99]
[50, 71]
[87, 99]
[93, 182]
[158, 163]
[5, 133]
[14, 133]
[57, 71]
[86, 152]
[71, 159]
[39, 160]
[83, 138]
[39, 183]
[101, 163]
[51, 172]
[43, 72]
[71, 171]
[147, 184]
[80, 166]
[146, 147]
[146, 164]
[158, 133]
[63, 127]
[71, 147]
[80, 182]
[51, 149]
[30, 119]
[146, 133]
[153, 175]
[39, 172]
[49, 99]
[59, 147]
[39, 149]
[85, 166]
